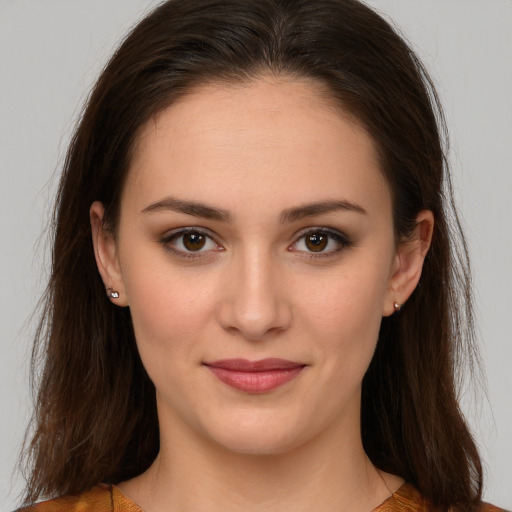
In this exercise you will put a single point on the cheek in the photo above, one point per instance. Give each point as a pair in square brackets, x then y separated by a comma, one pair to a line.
[347, 300]
[343, 314]
[170, 309]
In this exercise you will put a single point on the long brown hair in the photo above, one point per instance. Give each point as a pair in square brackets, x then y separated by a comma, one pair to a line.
[95, 418]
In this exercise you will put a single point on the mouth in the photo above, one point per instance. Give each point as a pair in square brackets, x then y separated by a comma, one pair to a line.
[255, 376]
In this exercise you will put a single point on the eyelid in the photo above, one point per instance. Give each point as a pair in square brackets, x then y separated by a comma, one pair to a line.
[341, 238]
[176, 233]
[189, 229]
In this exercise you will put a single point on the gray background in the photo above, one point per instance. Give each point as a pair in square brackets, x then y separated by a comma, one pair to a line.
[52, 50]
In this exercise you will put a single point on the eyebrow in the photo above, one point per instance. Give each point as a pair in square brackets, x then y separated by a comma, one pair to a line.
[309, 210]
[190, 208]
[204, 211]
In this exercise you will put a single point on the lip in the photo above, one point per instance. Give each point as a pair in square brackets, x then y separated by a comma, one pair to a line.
[255, 376]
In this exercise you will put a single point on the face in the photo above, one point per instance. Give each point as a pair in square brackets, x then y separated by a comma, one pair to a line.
[256, 252]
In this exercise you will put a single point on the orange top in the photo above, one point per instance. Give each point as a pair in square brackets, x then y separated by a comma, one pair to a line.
[106, 498]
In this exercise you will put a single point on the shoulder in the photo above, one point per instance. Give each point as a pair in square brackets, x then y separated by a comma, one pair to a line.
[101, 498]
[408, 499]
[97, 499]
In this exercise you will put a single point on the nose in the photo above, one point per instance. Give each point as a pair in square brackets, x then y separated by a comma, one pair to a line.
[255, 302]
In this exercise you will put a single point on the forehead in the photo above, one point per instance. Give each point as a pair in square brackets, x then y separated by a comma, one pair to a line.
[225, 141]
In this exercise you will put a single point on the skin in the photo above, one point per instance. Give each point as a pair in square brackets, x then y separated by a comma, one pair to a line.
[257, 290]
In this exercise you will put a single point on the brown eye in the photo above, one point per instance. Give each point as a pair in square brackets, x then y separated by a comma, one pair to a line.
[194, 241]
[321, 242]
[190, 243]
[316, 242]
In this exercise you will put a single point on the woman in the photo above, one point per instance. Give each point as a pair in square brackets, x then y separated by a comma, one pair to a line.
[258, 188]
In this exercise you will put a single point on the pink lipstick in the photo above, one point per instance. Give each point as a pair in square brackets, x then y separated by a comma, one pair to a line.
[255, 376]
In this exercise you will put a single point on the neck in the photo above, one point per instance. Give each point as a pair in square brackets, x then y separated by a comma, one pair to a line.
[329, 473]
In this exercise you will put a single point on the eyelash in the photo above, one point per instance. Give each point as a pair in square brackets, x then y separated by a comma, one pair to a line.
[339, 238]
[175, 235]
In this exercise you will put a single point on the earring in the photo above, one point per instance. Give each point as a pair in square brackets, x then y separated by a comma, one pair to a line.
[113, 294]
[397, 307]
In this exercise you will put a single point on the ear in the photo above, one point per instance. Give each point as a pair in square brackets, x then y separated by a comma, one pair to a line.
[105, 252]
[408, 263]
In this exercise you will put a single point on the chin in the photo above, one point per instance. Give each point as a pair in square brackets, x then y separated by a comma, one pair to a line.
[248, 437]
[257, 445]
